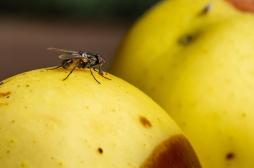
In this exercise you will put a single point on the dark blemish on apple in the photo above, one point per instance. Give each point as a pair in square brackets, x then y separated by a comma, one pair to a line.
[5, 94]
[145, 122]
[1, 83]
[100, 150]
[230, 156]
[186, 39]
[8, 152]
[205, 10]
[175, 152]
[13, 121]
[27, 85]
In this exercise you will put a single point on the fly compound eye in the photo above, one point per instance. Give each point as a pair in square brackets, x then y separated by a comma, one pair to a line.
[81, 53]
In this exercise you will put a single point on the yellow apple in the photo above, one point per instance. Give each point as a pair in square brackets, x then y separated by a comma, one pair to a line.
[46, 122]
[196, 59]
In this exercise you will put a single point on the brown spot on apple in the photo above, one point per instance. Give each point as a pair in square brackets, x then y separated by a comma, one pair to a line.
[100, 150]
[5, 94]
[230, 156]
[175, 152]
[243, 5]
[145, 122]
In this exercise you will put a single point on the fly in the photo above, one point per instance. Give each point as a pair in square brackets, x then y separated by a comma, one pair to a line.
[80, 59]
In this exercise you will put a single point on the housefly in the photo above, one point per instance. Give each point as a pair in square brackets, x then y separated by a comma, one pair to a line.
[80, 59]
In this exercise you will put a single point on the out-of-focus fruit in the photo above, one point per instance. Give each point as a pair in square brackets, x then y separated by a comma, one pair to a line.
[196, 59]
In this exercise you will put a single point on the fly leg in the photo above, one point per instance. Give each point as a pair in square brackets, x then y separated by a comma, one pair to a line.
[94, 76]
[100, 71]
[65, 64]
[55, 67]
[70, 72]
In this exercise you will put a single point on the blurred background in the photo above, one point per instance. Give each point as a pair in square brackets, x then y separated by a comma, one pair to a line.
[28, 27]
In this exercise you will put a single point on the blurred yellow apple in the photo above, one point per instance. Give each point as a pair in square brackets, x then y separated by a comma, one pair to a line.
[196, 59]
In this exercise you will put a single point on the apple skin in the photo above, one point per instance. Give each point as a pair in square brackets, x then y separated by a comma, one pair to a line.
[46, 122]
[199, 66]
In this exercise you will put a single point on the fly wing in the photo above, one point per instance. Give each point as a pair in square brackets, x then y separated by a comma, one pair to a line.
[58, 50]
[65, 56]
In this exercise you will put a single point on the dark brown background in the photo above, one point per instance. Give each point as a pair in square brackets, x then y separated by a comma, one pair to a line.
[28, 27]
[23, 42]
